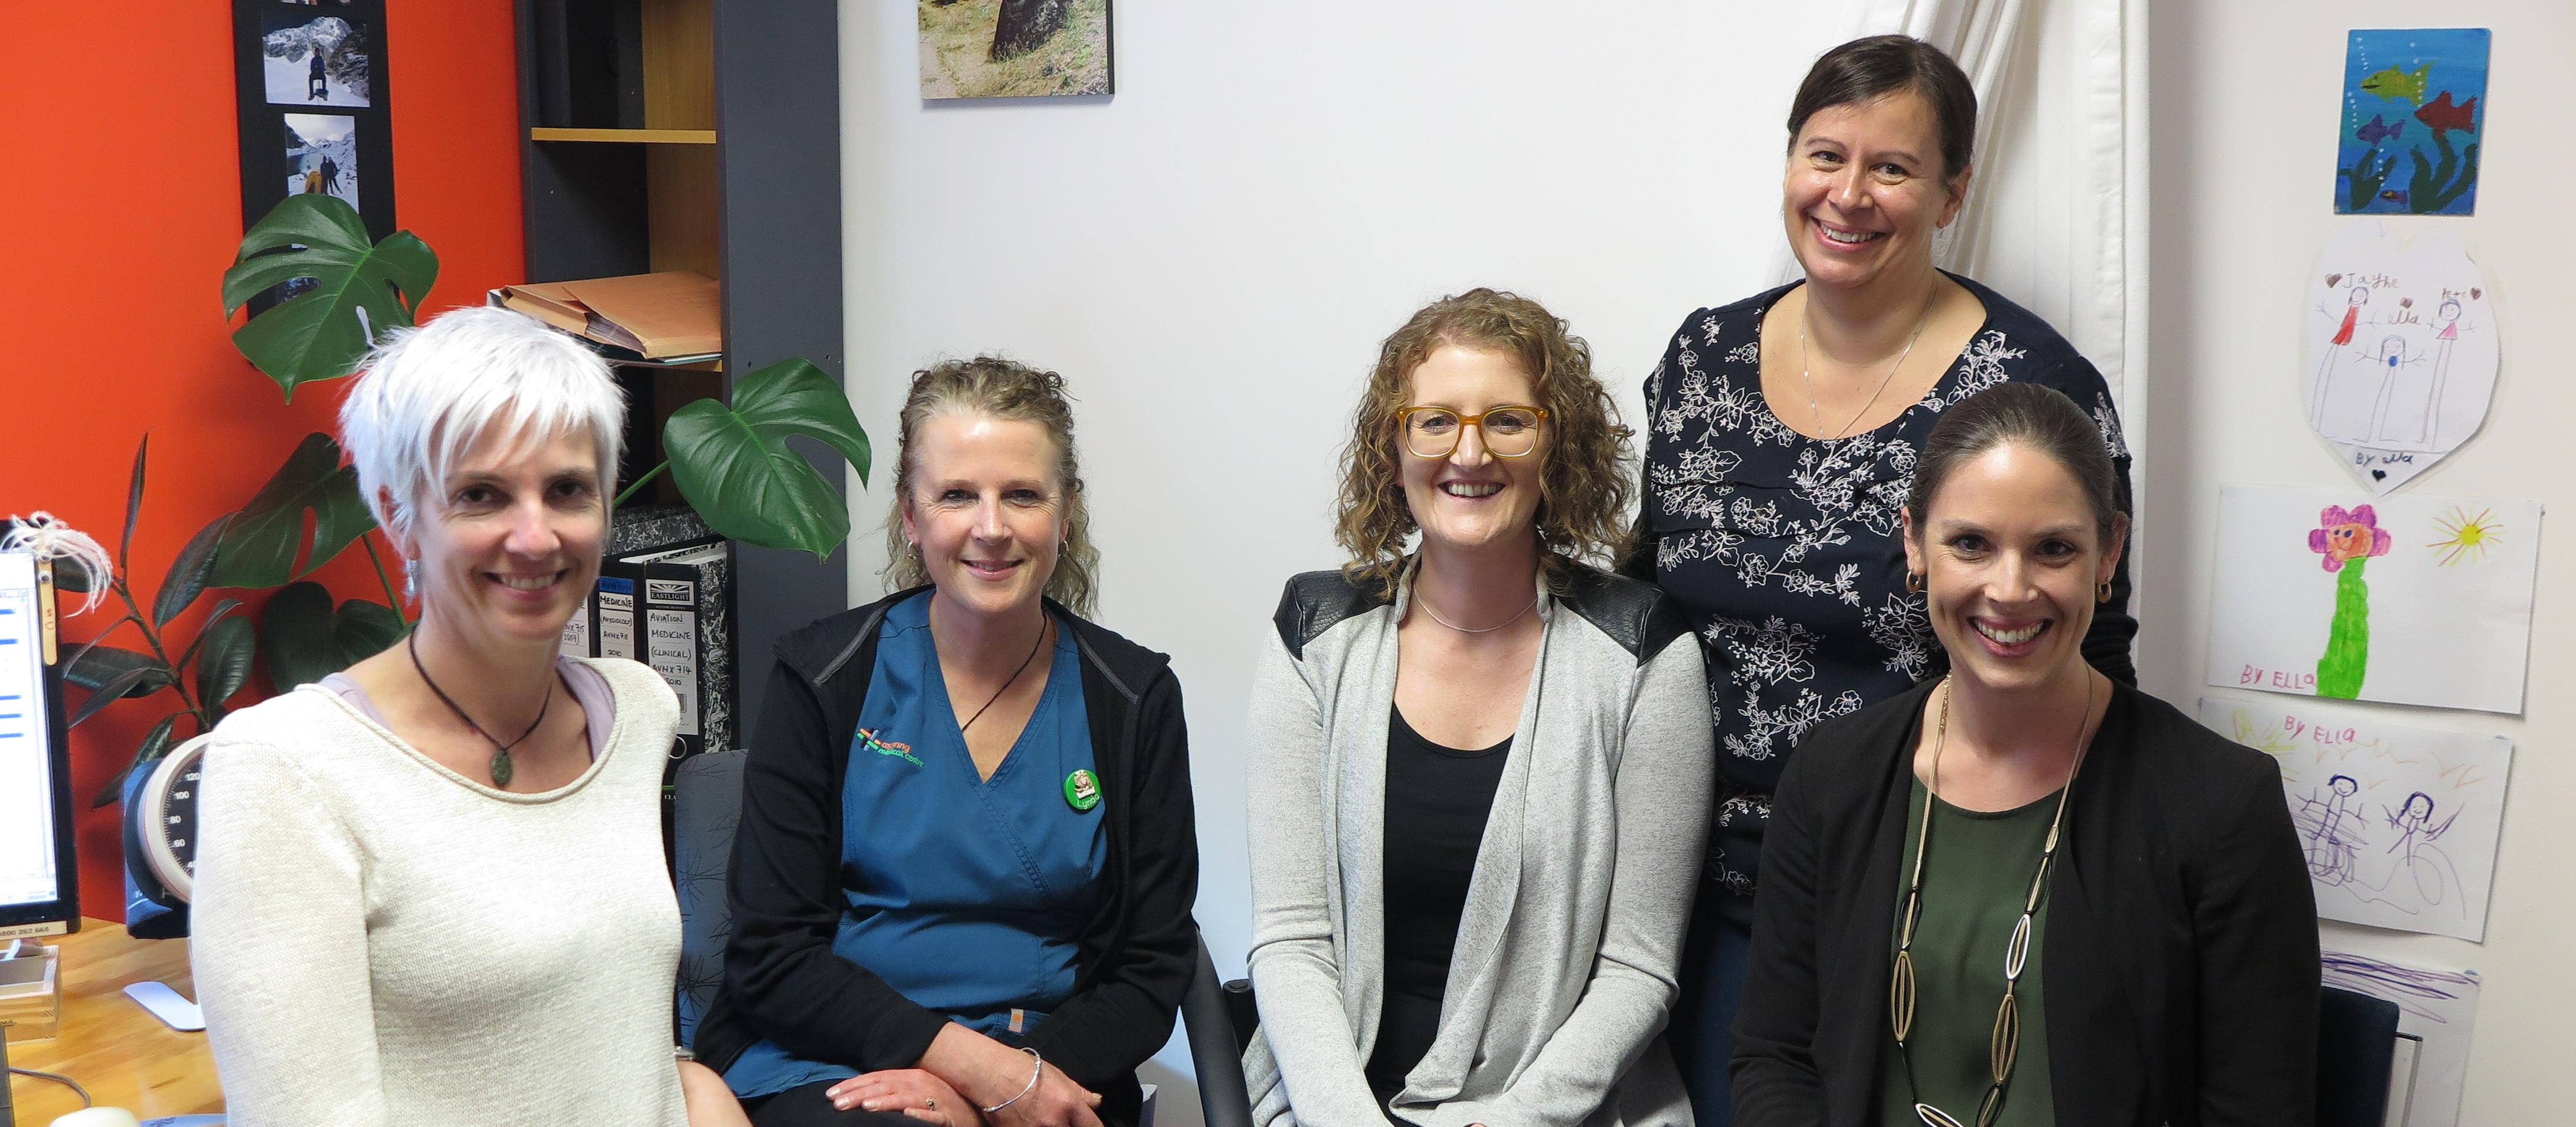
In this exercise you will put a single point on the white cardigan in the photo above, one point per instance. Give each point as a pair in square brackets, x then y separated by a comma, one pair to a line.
[1566, 953]
[382, 942]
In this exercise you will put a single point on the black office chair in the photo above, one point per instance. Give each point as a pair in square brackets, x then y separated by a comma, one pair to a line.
[2356, 1049]
[707, 802]
[1218, 1032]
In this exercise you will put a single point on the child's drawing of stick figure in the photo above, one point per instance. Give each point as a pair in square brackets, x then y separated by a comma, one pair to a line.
[2416, 834]
[2449, 316]
[2393, 362]
[2328, 820]
[2357, 297]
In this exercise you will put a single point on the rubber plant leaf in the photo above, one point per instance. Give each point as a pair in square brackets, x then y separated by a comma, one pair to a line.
[116, 688]
[133, 500]
[187, 576]
[259, 547]
[734, 465]
[223, 666]
[304, 640]
[359, 288]
[94, 666]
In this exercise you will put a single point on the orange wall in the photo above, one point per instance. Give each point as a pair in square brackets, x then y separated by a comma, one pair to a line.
[120, 206]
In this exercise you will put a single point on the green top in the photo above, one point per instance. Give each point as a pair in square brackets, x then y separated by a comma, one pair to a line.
[1973, 886]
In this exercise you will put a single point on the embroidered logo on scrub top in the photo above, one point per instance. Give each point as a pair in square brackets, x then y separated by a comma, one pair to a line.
[902, 751]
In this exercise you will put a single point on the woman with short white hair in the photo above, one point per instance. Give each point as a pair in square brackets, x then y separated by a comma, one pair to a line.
[430, 889]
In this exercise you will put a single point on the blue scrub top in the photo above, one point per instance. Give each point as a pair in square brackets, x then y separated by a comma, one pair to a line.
[965, 894]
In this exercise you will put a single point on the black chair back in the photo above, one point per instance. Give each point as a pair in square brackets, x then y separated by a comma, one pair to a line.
[706, 806]
[1217, 1038]
[2356, 1048]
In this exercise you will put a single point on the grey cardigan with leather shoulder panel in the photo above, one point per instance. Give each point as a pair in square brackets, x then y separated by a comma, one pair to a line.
[1566, 954]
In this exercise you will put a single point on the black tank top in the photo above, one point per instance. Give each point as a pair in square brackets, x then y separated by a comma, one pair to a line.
[1437, 799]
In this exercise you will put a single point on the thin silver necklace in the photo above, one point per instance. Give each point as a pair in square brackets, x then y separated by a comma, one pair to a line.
[1425, 604]
[1816, 416]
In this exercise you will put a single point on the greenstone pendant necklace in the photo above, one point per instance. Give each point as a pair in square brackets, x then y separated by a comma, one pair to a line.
[502, 768]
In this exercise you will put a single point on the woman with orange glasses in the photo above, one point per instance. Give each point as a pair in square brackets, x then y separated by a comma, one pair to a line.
[1480, 771]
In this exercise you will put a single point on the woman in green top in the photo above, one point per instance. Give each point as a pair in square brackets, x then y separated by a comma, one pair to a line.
[2025, 894]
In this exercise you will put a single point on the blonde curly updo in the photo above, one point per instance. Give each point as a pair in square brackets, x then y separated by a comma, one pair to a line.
[994, 388]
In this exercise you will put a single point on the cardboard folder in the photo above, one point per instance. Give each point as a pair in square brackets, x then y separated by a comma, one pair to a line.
[657, 316]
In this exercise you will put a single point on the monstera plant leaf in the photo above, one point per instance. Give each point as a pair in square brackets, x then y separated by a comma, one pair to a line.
[259, 546]
[735, 467]
[360, 288]
[305, 640]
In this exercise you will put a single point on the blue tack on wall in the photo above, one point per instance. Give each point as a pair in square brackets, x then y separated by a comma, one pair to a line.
[2413, 121]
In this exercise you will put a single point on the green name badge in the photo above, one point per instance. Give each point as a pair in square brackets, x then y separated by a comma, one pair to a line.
[1082, 790]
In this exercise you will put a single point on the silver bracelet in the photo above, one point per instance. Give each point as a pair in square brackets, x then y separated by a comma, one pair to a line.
[1037, 1065]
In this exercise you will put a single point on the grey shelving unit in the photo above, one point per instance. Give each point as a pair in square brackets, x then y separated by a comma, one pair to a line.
[701, 135]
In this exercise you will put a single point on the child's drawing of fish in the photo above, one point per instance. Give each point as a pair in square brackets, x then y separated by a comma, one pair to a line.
[2395, 83]
[2441, 114]
[2379, 130]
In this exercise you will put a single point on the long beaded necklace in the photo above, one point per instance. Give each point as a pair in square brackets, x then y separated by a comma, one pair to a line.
[2004, 1045]
[502, 768]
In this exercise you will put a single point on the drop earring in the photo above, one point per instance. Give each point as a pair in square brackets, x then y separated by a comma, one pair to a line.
[1913, 583]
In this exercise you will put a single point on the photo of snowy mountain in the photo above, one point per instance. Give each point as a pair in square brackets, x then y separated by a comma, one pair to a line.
[316, 61]
[322, 154]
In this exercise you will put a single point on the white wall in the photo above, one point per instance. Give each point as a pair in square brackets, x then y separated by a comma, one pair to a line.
[2243, 145]
[1212, 255]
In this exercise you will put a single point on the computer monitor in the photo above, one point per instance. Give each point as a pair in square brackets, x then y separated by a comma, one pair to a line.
[39, 877]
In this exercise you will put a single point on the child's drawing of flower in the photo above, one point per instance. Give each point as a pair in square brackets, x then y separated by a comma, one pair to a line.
[2342, 535]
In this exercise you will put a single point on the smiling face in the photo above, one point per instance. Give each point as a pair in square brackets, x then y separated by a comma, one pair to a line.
[508, 548]
[2011, 555]
[1862, 196]
[2348, 541]
[1472, 499]
[986, 510]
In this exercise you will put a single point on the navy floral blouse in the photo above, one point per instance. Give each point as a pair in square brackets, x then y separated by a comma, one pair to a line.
[1786, 552]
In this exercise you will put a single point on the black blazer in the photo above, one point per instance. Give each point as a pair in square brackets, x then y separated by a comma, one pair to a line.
[783, 982]
[2181, 955]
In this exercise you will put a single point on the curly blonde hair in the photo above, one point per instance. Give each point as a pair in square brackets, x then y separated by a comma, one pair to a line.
[1586, 474]
[995, 388]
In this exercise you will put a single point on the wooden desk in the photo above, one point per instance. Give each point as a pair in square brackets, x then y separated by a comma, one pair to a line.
[122, 1054]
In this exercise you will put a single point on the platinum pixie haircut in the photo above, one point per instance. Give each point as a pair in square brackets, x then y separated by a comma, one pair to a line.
[430, 393]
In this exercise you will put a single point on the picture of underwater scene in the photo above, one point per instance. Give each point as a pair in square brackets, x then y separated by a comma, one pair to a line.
[2414, 110]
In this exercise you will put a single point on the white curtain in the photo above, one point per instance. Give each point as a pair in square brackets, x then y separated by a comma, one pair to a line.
[2054, 219]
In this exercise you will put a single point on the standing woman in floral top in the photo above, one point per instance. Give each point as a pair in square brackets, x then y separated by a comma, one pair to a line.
[1782, 436]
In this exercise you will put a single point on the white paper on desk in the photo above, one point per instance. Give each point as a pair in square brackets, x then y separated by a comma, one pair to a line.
[2401, 350]
[2445, 604]
[2438, 1006]
[2398, 824]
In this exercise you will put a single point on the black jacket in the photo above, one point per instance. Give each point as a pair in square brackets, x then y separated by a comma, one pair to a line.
[782, 981]
[2180, 959]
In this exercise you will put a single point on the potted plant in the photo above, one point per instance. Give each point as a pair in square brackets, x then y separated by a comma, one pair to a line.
[729, 458]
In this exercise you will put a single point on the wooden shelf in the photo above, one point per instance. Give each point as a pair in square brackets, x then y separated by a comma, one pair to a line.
[627, 136]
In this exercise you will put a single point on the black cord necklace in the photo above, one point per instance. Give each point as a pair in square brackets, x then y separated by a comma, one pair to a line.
[502, 768]
[1006, 685]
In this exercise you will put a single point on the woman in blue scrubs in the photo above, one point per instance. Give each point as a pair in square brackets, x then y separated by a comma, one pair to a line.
[962, 883]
